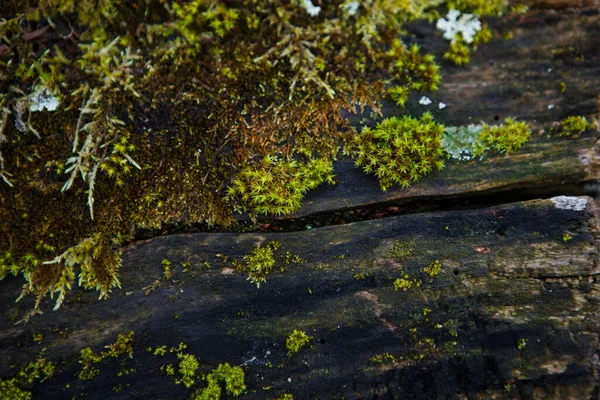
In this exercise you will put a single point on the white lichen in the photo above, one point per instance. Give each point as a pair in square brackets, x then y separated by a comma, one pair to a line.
[570, 203]
[311, 9]
[441, 105]
[466, 24]
[425, 101]
[42, 99]
[462, 142]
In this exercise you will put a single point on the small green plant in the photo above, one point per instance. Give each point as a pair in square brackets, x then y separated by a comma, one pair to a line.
[566, 237]
[507, 137]
[296, 341]
[574, 126]
[458, 52]
[259, 263]
[381, 358]
[278, 187]
[413, 70]
[400, 150]
[482, 36]
[521, 343]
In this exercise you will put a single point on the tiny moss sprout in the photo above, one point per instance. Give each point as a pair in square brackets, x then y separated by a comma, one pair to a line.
[400, 151]
[296, 341]
[507, 137]
[521, 343]
[88, 359]
[188, 365]
[400, 250]
[259, 263]
[566, 237]
[574, 126]
[382, 358]
[433, 269]
[403, 283]
[167, 269]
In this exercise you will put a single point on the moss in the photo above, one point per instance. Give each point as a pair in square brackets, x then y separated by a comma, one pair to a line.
[18, 387]
[507, 137]
[296, 341]
[521, 343]
[167, 269]
[413, 70]
[403, 283]
[259, 263]
[277, 187]
[382, 358]
[88, 359]
[188, 365]
[400, 250]
[400, 150]
[482, 36]
[458, 52]
[433, 269]
[479, 7]
[233, 379]
[574, 126]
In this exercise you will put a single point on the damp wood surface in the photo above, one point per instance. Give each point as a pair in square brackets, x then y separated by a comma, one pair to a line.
[513, 312]
[519, 78]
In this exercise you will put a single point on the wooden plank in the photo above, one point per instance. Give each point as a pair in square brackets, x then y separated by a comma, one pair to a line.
[513, 312]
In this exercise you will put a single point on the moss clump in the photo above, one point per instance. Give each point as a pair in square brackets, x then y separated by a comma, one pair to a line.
[482, 36]
[18, 387]
[296, 341]
[278, 187]
[232, 377]
[87, 357]
[433, 269]
[458, 52]
[400, 150]
[381, 358]
[574, 126]
[403, 283]
[188, 365]
[259, 263]
[413, 69]
[507, 137]
[400, 250]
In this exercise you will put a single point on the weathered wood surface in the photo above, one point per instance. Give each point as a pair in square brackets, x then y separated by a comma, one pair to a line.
[507, 275]
[506, 78]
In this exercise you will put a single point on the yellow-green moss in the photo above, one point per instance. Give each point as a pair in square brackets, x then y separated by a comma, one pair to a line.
[574, 126]
[232, 377]
[400, 151]
[433, 269]
[458, 52]
[88, 359]
[507, 137]
[296, 341]
[259, 263]
[18, 387]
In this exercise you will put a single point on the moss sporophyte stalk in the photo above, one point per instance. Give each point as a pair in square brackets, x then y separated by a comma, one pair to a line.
[117, 116]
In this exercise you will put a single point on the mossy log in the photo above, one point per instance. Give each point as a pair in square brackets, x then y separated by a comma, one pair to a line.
[513, 312]
[520, 78]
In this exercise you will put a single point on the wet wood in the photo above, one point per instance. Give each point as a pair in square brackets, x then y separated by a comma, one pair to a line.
[513, 312]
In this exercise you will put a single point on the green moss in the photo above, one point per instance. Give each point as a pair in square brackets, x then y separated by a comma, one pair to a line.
[433, 269]
[479, 7]
[278, 187]
[413, 70]
[521, 343]
[296, 341]
[574, 126]
[403, 283]
[88, 359]
[458, 52]
[167, 269]
[18, 387]
[382, 358]
[482, 36]
[400, 150]
[507, 137]
[188, 365]
[233, 379]
[259, 263]
[400, 250]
